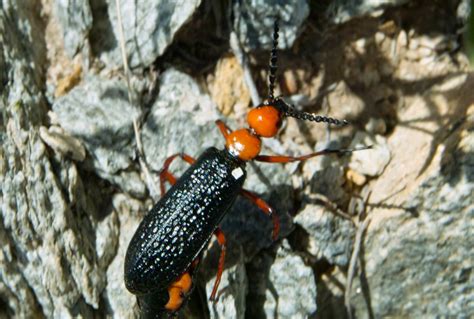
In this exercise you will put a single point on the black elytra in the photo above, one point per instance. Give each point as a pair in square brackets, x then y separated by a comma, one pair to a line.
[179, 226]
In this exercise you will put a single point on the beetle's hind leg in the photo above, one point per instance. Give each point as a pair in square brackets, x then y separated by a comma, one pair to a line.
[166, 176]
[225, 130]
[267, 209]
[222, 242]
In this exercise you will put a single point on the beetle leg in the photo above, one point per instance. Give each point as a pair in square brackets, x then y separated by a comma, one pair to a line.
[225, 130]
[265, 208]
[287, 159]
[165, 175]
[222, 242]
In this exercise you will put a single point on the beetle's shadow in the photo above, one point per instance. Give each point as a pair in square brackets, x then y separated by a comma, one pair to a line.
[250, 250]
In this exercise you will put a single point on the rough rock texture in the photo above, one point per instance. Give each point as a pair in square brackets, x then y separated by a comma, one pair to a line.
[343, 10]
[254, 22]
[76, 22]
[329, 235]
[162, 138]
[291, 296]
[94, 113]
[423, 237]
[130, 211]
[73, 190]
[150, 27]
[55, 243]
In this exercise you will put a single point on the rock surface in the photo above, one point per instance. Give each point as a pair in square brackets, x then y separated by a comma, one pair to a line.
[421, 235]
[329, 236]
[73, 190]
[232, 294]
[291, 296]
[76, 22]
[254, 22]
[50, 260]
[149, 28]
[341, 11]
[94, 113]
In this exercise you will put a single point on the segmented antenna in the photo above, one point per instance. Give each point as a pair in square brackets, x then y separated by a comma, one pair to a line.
[273, 62]
[291, 111]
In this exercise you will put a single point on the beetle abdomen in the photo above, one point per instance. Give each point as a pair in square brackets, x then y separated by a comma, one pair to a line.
[178, 227]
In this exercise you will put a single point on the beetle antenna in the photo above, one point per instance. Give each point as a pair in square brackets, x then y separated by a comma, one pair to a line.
[291, 111]
[273, 62]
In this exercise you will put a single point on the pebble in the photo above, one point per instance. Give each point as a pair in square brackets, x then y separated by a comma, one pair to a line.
[63, 143]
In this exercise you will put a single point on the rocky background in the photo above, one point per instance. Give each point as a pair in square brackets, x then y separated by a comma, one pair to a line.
[383, 232]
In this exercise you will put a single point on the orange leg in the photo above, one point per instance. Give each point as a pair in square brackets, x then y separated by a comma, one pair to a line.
[266, 209]
[287, 159]
[165, 175]
[225, 130]
[222, 242]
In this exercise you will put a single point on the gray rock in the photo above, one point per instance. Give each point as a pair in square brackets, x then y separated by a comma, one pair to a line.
[232, 292]
[326, 177]
[149, 28]
[98, 113]
[418, 253]
[123, 303]
[75, 18]
[433, 253]
[330, 236]
[50, 266]
[292, 295]
[181, 120]
[246, 224]
[341, 11]
[254, 22]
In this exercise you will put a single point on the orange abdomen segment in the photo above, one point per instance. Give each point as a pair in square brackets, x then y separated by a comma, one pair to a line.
[177, 291]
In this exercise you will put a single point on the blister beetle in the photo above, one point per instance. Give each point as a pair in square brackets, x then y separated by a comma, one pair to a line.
[168, 244]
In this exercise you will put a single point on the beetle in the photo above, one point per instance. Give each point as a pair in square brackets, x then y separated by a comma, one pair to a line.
[166, 248]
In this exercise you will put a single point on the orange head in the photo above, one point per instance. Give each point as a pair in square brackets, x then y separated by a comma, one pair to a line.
[243, 144]
[265, 120]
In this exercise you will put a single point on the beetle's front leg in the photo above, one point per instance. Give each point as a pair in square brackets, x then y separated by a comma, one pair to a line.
[166, 176]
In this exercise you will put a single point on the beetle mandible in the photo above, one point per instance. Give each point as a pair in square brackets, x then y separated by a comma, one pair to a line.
[167, 246]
